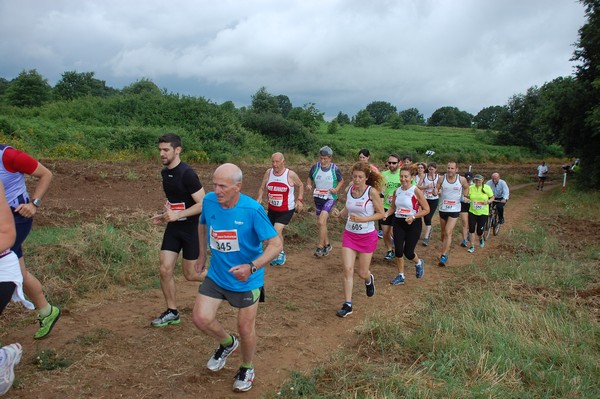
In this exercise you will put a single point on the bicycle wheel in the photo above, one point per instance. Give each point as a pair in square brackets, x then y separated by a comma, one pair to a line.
[496, 224]
[488, 227]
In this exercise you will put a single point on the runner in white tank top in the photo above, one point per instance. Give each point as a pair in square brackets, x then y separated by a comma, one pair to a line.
[451, 188]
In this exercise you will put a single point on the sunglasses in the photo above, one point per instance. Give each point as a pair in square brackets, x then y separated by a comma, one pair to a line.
[392, 163]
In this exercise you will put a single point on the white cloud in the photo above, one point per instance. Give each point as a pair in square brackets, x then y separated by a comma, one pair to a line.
[339, 54]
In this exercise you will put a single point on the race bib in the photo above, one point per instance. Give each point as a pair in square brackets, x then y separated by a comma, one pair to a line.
[177, 206]
[403, 213]
[389, 199]
[356, 227]
[276, 199]
[319, 193]
[429, 194]
[479, 205]
[224, 240]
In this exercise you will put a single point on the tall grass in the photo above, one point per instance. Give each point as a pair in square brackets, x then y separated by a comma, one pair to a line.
[92, 257]
[514, 327]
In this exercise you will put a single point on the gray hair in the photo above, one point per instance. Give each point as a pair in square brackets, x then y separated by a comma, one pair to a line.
[326, 151]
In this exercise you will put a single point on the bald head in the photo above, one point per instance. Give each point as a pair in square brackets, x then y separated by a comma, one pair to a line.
[495, 177]
[229, 172]
[278, 162]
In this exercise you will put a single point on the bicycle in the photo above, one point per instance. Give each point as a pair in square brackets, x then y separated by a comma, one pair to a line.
[493, 222]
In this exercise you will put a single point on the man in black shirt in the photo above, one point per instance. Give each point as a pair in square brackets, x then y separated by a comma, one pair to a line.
[184, 204]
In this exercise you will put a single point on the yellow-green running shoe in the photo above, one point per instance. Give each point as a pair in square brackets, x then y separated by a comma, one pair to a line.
[46, 323]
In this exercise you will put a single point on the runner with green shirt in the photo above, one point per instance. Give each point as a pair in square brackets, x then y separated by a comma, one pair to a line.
[480, 197]
[392, 182]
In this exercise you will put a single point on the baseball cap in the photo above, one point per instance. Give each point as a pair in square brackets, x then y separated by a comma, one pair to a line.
[478, 177]
[469, 176]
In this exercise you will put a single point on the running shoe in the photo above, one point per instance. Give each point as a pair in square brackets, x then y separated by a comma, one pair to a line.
[379, 234]
[481, 243]
[319, 252]
[443, 260]
[11, 355]
[218, 360]
[243, 380]
[46, 323]
[398, 280]
[471, 249]
[326, 249]
[426, 241]
[463, 243]
[344, 311]
[166, 318]
[389, 255]
[420, 268]
[370, 287]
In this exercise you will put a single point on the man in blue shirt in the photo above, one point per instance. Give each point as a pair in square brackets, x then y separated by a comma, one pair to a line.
[501, 193]
[235, 227]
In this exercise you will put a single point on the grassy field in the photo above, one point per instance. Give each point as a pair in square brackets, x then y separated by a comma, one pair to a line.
[516, 327]
[462, 145]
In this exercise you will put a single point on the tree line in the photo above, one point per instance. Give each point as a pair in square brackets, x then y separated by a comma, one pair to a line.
[560, 117]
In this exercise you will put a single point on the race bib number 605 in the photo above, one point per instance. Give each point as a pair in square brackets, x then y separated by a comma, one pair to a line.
[224, 240]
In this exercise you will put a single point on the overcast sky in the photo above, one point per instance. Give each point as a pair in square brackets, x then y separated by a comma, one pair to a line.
[339, 54]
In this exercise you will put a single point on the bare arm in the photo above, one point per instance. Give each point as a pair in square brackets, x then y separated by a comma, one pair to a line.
[298, 183]
[201, 262]
[273, 247]
[262, 186]
[196, 209]
[44, 177]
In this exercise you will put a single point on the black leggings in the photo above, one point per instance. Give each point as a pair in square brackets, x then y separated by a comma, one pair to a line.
[433, 203]
[406, 237]
[479, 221]
[6, 291]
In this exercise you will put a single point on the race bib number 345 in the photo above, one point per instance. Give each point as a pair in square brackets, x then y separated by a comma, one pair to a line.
[224, 240]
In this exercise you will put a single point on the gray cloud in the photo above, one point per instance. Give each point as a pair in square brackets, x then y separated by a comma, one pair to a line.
[339, 54]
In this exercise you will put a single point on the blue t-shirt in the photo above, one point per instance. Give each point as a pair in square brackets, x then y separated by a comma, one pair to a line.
[235, 237]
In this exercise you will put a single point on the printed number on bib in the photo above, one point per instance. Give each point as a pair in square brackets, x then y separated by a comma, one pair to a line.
[478, 205]
[224, 240]
[356, 227]
[319, 193]
[276, 199]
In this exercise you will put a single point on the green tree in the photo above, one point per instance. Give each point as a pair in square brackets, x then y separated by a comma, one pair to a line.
[80, 84]
[363, 119]
[29, 89]
[142, 86]
[264, 102]
[582, 139]
[412, 116]
[333, 127]
[491, 117]
[451, 117]
[522, 123]
[342, 118]
[309, 116]
[380, 111]
[284, 104]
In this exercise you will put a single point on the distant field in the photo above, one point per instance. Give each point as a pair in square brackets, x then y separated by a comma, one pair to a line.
[463, 145]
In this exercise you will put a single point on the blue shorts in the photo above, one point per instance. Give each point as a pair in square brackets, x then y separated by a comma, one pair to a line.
[23, 226]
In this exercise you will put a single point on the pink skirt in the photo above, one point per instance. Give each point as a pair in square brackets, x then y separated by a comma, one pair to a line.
[365, 243]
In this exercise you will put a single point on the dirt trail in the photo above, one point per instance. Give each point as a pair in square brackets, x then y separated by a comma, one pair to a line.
[117, 354]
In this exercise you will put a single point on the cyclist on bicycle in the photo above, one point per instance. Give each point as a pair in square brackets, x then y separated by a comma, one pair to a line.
[480, 197]
[501, 193]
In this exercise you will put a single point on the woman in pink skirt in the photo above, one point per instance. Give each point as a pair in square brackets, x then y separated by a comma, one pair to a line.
[363, 207]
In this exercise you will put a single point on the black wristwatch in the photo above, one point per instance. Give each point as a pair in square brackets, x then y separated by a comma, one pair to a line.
[253, 267]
